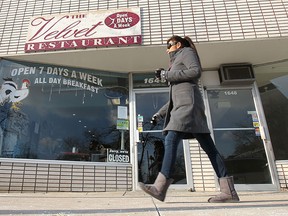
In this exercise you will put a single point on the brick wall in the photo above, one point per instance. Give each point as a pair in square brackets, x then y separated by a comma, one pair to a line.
[42, 176]
[282, 170]
[203, 21]
[202, 171]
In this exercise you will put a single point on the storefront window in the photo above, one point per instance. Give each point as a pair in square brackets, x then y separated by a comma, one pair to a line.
[272, 81]
[62, 113]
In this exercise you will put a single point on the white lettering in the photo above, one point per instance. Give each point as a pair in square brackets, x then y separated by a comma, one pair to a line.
[80, 43]
[54, 80]
[85, 86]
[57, 71]
[41, 70]
[23, 71]
[30, 47]
[90, 78]
[40, 80]
[118, 158]
[74, 75]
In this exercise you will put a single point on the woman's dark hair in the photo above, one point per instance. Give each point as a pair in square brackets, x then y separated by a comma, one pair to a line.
[185, 42]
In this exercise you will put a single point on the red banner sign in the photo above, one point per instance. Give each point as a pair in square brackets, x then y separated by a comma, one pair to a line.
[84, 30]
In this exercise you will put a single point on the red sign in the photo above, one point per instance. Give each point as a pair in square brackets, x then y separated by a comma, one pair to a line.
[122, 20]
[84, 30]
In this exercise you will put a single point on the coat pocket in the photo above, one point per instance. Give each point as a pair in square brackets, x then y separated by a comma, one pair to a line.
[183, 97]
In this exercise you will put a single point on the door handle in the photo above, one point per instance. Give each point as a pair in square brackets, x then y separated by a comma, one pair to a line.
[262, 133]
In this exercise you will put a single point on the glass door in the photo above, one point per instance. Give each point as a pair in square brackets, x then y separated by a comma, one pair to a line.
[239, 136]
[150, 145]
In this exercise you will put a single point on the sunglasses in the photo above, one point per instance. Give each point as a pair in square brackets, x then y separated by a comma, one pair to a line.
[169, 45]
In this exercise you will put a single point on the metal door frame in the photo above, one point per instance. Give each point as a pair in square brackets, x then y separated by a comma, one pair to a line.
[134, 138]
[267, 141]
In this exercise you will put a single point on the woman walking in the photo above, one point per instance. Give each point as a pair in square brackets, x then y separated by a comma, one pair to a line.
[184, 118]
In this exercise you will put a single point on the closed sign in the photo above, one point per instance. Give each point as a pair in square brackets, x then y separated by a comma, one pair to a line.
[118, 156]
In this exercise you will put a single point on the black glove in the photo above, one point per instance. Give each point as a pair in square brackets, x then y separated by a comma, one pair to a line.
[155, 118]
[158, 72]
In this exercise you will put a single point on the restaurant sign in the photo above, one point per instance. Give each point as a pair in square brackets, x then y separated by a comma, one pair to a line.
[84, 30]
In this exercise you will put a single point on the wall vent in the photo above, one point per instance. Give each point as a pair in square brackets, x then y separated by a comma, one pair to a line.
[236, 74]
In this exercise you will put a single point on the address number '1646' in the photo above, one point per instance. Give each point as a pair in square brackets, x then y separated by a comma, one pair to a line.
[153, 80]
[230, 93]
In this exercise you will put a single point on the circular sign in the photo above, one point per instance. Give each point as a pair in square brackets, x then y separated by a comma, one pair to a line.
[122, 20]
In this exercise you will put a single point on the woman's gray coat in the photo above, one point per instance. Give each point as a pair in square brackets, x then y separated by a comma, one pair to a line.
[184, 111]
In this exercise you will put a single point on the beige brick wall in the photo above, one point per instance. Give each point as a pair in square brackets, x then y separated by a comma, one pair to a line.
[203, 21]
[202, 170]
[282, 170]
[35, 176]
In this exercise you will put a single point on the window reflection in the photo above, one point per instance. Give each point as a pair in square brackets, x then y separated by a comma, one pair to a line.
[150, 155]
[68, 114]
[244, 156]
[228, 109]
[274, 96]
[150, 149]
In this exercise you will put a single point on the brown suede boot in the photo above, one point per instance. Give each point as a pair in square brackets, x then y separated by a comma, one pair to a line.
[159, 188]
[227, 194]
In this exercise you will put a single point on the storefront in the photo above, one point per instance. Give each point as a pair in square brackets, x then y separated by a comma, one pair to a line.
[75, 114]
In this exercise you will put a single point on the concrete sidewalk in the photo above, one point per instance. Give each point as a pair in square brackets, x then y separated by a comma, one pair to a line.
[138, 203]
